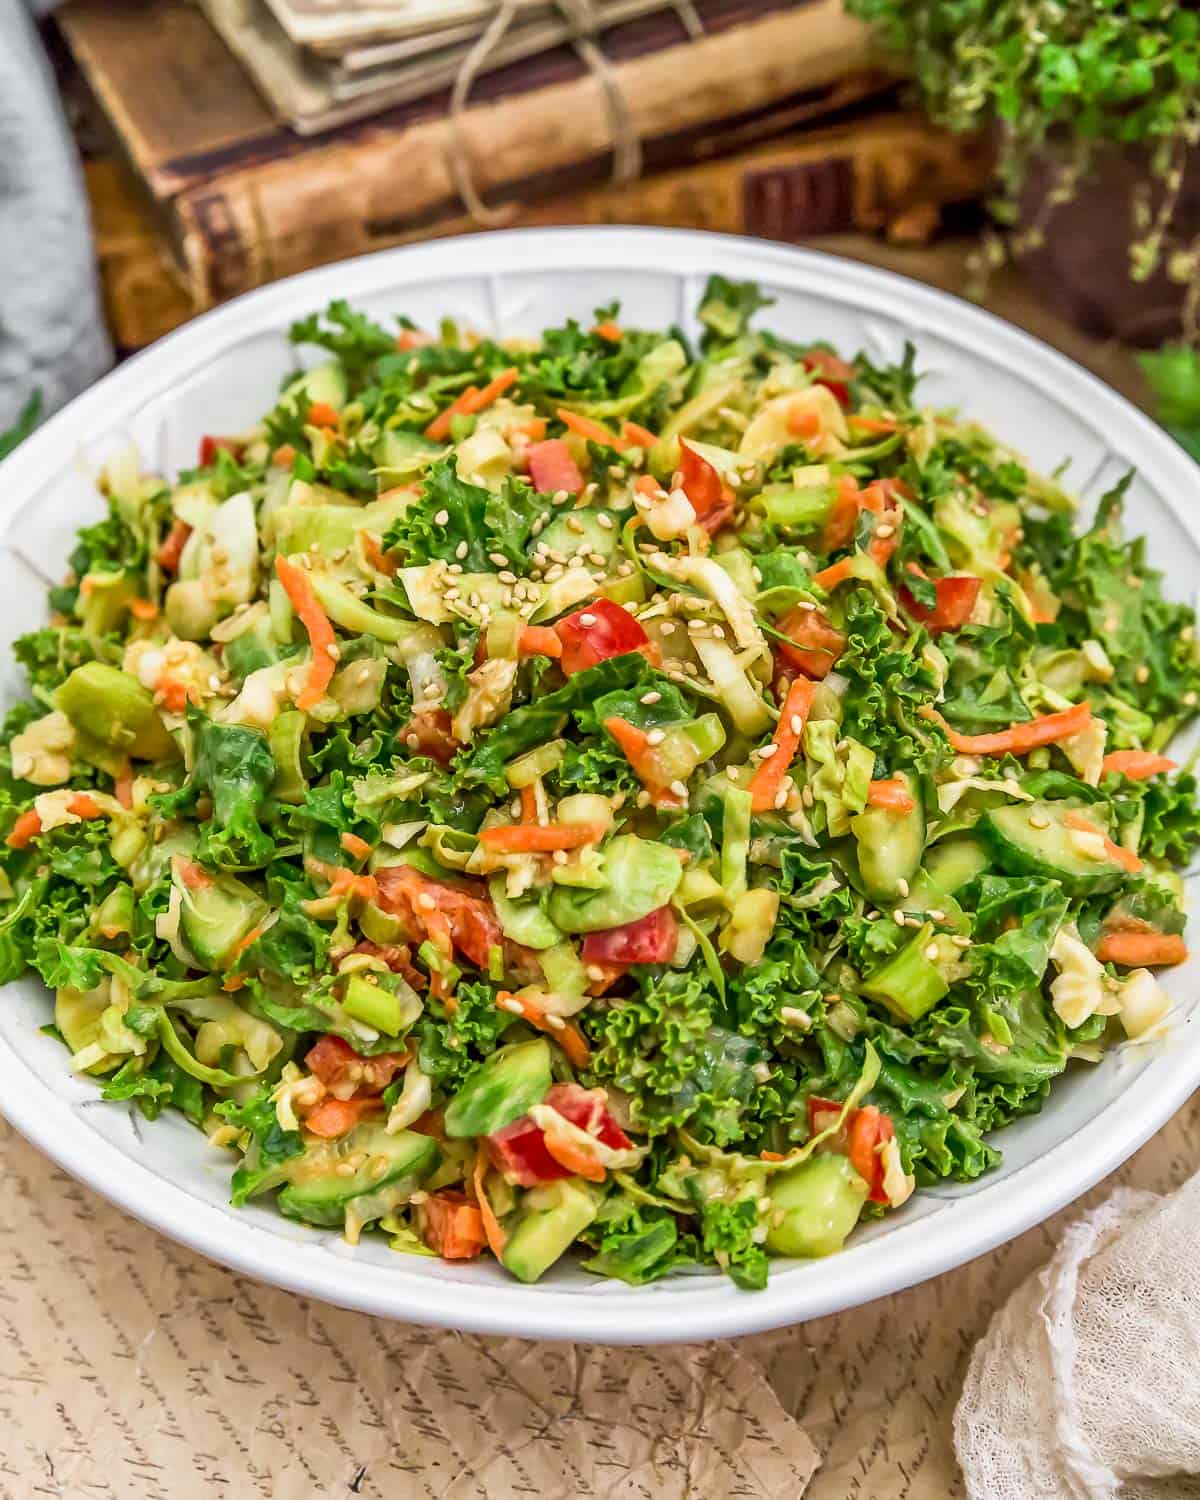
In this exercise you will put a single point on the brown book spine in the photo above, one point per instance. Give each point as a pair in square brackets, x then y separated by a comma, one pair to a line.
[889, 173]
[343, 198]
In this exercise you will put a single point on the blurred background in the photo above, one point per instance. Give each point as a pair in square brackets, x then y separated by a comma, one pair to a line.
[1035, 154]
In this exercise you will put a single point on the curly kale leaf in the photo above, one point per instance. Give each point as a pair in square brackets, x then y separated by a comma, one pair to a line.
[234, 766]
[727, 1235]
[636, 1243]
[351, 336]
[269, 1148]
[452, 514]
[51, 654]
[727, 307]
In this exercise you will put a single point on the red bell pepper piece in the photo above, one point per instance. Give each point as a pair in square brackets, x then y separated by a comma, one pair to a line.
[956, 596]
[816, 643]
[596, 632]
[336, 1063]
[830, 371]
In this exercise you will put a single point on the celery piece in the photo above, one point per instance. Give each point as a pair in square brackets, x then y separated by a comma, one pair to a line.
[286, 739]
[908, 984]
[373, 1005]
[735, 842]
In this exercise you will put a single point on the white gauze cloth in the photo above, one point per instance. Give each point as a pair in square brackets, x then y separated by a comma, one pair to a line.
[1086, 1385]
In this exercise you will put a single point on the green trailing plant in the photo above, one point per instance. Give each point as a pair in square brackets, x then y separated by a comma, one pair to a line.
[1173, 374]
[24, 425]
[1076, 76]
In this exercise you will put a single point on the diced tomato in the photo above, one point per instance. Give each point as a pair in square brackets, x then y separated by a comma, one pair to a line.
[956, 596]
[711, 497]
[869, 1129]
[866, 1129]
[398, 957]
[211, 446]
[334, 1117]
[337, 1065]
[596, 632]
[519, 1152]
[431, 729]
[588, 1109]
[552, 468]
[817, 644]
[450, 1225]
[830, 371]
[450, 916]
[650, 940]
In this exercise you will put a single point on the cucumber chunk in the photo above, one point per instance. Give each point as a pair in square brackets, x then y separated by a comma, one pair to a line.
[820, 1200]
[511, 1081]
[319, 1194]
[890, 844]
[955, 862]
[551, 1219]
[1033, 838]
[640, 877]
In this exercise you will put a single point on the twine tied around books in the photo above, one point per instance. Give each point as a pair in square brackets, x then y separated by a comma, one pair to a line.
[585, 24]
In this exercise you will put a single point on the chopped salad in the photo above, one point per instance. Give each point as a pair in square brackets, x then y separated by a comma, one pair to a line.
[599, 793]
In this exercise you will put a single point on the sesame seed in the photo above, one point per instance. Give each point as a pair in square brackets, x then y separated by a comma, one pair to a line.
[344, 1169]
[214, 682]
[442, 518]
[514, 1007]
[763, 1204]
[792, 1015]
[1143, 673]
[587, 621]
[762, 1072]
[649, 698]
[412, 741]
[679, 789]
[507, 576]
[597, 559]
[960, 941]
[605, 522]
[514, 807]
[559, 856]
[1189, 699]
[765, 752]
[574, 525]
[498, 558]
[456, 567]
[902, 886]
[461, 550]
[935, 914]
[559, 497]
[718, 632]
[655, 737]
[781, 797]
[556, 1023]
[595, 973]
[898, 917]
[805, 604]
[426, 902]
[932, 952]
[332, 652]
[797, 724]
[667, 628]
[885, 531]
[643, 799]
[1036, 820]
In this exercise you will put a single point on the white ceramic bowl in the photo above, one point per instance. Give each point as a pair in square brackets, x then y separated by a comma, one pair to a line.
[220, 372]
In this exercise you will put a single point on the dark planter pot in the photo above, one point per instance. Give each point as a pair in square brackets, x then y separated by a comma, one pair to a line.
[1081, 269]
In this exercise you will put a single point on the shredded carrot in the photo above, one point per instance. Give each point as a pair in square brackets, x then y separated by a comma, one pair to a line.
[529, 807]
[354, 846]
[771, 1156]
[233, 982]
[639, 753]
[646, 484]
[347, 883]
[84, 807]
[173, 543]
[26, 828]
[1118, 855]
[640, 436]
[522, 838]
[321, 414]
[874, 424]
[143, 609]
[767, 781]
[1020, 738]
[829, 578]
[567, 1154]
[284, 456]
[535, 430]
[173, 694]
[804, 422]
[539, 640]
[609, 330]
[594, 432]
[1133, 950]
[375, 555]
[1136, 765]
[194, 876]
[492, 1228]
[123, 787]
[473, 399]
[892, 794]
[334, 1117]
[298, 587]
[411, 338]
[567, 1035]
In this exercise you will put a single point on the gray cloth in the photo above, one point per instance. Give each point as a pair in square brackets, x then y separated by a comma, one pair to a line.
[52, 333]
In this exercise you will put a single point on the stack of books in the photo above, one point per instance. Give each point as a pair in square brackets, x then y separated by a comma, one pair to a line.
[255, 138]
